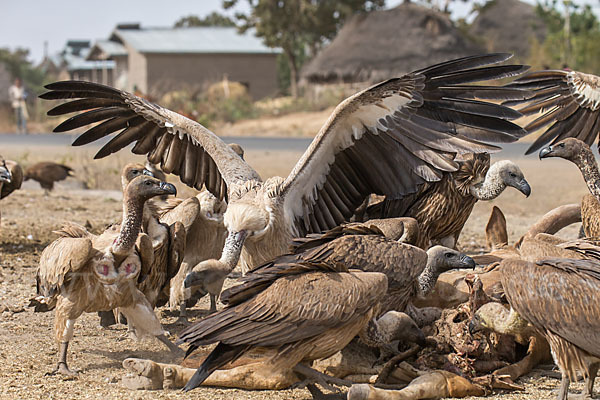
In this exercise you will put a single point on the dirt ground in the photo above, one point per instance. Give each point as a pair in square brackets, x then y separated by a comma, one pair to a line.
[27, 347]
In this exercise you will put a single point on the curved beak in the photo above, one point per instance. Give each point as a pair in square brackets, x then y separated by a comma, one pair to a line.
[468, 262]
[473, 327]
[190, 280]
[168, 188]
[5, 175]
[148, 172]
[524, 188]
[545, 152]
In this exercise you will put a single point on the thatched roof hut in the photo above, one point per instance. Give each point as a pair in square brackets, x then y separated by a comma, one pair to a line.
[509, 25]
[383, 44]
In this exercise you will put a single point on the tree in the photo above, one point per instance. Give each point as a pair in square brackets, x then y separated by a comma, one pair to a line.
[17, 64]
[212, 19]
[299, 26]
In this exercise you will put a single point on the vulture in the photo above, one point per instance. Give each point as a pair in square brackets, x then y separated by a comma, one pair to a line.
[569, 102]
[389, 139]
[11, 177]
[80, 272]
[202, 217]
[560, 298]
[46, 173]
[303, 306]
[413, 272]
[442, 208]
[580, 154]
[590, 216]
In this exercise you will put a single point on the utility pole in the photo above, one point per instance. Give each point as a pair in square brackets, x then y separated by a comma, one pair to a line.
[567, 28]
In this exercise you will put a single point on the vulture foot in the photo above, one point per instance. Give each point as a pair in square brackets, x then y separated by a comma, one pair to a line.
[63, 369]
[182, 320]
[175, 350]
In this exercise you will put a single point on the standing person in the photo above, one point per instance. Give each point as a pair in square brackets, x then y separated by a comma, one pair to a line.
[17, 96]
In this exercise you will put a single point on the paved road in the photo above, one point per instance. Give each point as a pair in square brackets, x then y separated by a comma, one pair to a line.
[512, 150]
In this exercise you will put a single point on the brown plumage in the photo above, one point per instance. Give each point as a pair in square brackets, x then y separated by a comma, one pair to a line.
[569, 102]
[202, 217]
[442, 208]
[11, 177]
[411, 271]
[560, 298]
[388, 139]
[81, 272]
[303, 306]
[47, 172]
[590, 216]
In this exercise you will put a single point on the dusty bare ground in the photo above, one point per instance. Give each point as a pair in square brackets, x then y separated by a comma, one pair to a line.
[27, 348]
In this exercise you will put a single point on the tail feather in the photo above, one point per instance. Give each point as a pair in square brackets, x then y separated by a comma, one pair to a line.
[221, 355]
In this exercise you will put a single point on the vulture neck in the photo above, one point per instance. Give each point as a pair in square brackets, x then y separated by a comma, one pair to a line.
[429, 277]
[509, 322]
[491, 187]
[232, 249]
[130, 227]
[586, 162]
[376, 334]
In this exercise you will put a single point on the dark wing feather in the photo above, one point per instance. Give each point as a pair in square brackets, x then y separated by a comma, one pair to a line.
[557, 295]
[569, 102]
[398, 135]
[163, 135]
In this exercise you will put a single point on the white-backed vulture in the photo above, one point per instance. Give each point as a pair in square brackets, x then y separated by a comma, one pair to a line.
[302, 306]
[11, 177]
[81, 272]
[46, 173]
[442, 208]
[388, 139]
[569, 102]
[413, 273]
[580, 154]
[560, 298]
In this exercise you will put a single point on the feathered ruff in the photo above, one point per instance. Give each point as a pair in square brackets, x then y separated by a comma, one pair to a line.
[472, 170]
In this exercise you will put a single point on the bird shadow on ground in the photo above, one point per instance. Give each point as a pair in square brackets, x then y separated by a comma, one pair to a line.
[118, 357]
[21, 247]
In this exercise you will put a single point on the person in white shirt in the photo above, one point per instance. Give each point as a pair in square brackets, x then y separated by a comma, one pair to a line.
[17, 95]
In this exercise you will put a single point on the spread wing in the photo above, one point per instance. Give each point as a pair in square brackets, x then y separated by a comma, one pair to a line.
[558, 295]
[16, 177]
[182, 147]
[569, 102]
[393, 137]
[60, 258]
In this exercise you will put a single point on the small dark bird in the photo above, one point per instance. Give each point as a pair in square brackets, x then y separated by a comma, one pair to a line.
[46, 173]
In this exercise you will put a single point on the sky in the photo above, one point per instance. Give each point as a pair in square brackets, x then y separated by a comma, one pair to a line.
[29, 23]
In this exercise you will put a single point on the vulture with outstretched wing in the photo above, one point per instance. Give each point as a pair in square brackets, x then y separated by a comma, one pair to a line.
[388, 139]
[569, 102]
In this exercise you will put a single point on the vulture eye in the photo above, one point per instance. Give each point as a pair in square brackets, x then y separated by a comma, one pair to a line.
[448, 255]
[512, 174]
[561, 145]
[148, 183]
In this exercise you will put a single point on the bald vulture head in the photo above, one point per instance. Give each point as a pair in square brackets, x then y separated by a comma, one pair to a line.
[132, 171]
[443, 259]
[569, 149]
[400, 326]
[501, 174]
[5, 176]
[145, 187]
[238, 149]
[497, 318]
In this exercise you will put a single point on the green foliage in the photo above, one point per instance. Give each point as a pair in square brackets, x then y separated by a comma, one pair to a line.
[299, 27]
[212, 19]
[17, 64]
[580, 50]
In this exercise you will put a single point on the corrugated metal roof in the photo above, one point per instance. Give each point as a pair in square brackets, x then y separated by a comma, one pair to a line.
[193, 40]
[111, 48]
[78, 62]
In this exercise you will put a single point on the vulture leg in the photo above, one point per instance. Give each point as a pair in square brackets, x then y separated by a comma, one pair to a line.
[182, 314]
[213, 303]
[62, 367]
[589, 382]
[64, 325]
[564, 387]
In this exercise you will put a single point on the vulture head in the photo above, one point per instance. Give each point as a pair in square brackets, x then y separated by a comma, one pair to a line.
[207, 271]
[500, 175]
[442, 259]
[399, 326]
[145, 187]
[569, 149]
[243, 220]
[132, 171]
[512, 176]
